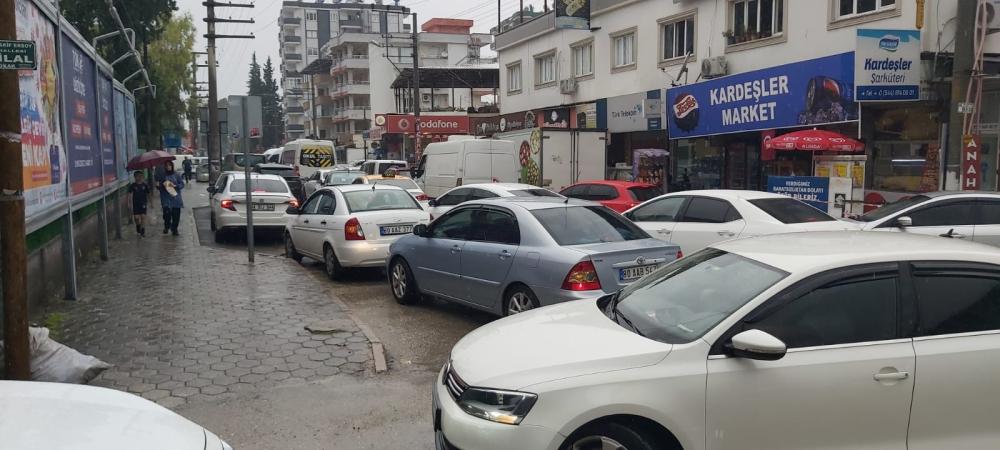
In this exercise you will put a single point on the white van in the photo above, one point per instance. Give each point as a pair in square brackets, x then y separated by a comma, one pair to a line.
[379, 166]
[445, 165]
[308, 156]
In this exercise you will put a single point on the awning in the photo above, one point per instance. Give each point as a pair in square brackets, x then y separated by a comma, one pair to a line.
[815, 140]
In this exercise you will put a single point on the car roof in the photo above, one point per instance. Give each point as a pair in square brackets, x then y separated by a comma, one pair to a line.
[381, 177]
[817, 251]
[619, 183]
[532, 203]
[506, 186]
[241, 175]
[959, 194]
[362, 187]
[729, 194]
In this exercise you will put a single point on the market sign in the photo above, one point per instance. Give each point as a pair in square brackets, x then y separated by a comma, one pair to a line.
[887, 65]
[404, 123]
[484, 126]
[573, 14]
[811, 92]
[970, 162]
[517, 121]
[17, 55]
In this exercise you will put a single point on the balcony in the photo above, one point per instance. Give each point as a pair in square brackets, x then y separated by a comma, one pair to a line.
[293, 56]
[350, 62]
[293, 92]
[357, 23]
[291, 21]
[292, 39]
[295, 127]
[350, 113]
[295, 110]
[351, 88]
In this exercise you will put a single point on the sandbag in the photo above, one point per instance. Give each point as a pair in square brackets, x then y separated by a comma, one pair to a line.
[54, 362]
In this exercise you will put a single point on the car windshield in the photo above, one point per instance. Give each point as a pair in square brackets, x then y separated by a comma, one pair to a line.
[340, 178]
[539, 192]
[259, 185]
[254, 160]
[681, 301]
[576, 225]
[404, 183]
[893, 208]
[379, 200]
[790, 210]
[284, 172]
[643, 193]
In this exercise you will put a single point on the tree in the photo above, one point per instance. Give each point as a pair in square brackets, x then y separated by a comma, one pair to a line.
[274, 116]
[170, 71]
[255, 85]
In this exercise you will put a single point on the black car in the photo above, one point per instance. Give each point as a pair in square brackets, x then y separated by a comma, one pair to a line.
[288, 173]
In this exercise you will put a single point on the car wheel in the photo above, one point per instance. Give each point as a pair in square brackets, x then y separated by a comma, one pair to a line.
[404, 287]
[610, 436]
[290, 251]
[332, 265]
[518, 300]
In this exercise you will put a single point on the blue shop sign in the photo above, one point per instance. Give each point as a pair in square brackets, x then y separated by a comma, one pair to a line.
[812, 92]
[813, 190]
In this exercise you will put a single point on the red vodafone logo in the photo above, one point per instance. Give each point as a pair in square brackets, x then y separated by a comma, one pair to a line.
[428, 124]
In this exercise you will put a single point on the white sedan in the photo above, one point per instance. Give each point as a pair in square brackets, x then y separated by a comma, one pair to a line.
[697, 219]
[351, 226]
[269, 194]
[36, 415]
[837, 340]
[479, 191]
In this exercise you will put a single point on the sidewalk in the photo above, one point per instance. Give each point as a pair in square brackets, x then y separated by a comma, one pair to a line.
[182, 323]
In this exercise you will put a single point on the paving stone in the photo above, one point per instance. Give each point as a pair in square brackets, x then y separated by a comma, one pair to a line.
[156, 394]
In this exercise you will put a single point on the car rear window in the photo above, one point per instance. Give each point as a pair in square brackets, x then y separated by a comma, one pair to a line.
[790, 210]
[379, 200]
[398, 182]
[534, 193]
[576, 225]
[254, 160]
[259, 185]
[338, 178]
[643, 193]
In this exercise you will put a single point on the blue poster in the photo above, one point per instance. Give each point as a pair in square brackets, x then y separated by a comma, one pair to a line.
[813, 190]
[105, 98]
[77, 72]
[803, 93]
[131, 134]
[121, 142]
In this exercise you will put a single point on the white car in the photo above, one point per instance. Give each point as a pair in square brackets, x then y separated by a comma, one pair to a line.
[974, 216]
[464, 193]
[351, 226]
[697, 219]
[36, 415]
[391, 179]
[837, 340]
[270, 196]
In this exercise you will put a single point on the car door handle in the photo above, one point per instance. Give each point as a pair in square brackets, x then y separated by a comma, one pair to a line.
[306, 221]
[504, 254]
[953, 235]
[456, 249]
[323, 223]
[726, 233]
[663, 231]
[892, 376]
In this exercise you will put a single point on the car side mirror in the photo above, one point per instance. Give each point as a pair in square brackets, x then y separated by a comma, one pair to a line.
[292, 211]
[904, 221]
[756, 344]
[420, 229]
[432, 203]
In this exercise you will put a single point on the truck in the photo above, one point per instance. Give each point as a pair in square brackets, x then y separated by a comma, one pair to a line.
[558, 158]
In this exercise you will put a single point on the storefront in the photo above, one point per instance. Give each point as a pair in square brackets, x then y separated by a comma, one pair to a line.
[399, 137]
[636, 134]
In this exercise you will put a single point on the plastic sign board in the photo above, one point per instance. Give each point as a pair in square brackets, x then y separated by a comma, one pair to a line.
[887, 65]
[18, 55]
[255, 133]
[970, 162]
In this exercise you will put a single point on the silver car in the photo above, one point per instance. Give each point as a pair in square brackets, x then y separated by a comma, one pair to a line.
[508, 255]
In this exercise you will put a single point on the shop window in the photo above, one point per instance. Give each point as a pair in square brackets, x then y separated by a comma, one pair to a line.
[514, 78]
[623, 50]
[677, 37]
[754, 20]
[905, 166]
[583, 59]
[851, 8]
[545, 69]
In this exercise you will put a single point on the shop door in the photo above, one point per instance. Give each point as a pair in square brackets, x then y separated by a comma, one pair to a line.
[742, 166]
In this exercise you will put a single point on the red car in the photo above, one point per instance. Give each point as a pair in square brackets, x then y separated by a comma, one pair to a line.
[617, 195]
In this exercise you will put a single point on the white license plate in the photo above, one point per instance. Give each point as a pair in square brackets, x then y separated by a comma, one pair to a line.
[262, 206]
[634, 273]
[389, 230]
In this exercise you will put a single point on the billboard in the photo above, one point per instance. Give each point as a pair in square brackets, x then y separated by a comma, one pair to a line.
[403, 123]
[131, 133]
[887, 65]
[105, 99]
[42, 149]
[77, 70]
[121, 142]
[573, 14]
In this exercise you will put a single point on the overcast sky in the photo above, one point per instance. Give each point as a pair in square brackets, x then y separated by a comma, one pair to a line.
[234, 54]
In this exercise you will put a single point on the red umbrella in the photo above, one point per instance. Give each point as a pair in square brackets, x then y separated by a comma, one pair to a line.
[149, 159]
[815, 140]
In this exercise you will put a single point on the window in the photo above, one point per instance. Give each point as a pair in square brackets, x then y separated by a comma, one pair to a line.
[848, 8]
[623, 50]
[576, 225]
[708, 210]
[490, 225]
[989, 212]
[454, 225]
[641, 194]
[311, 15]
[956, 301]
[789, 210]
[583, 59]
[312, 204]
[379, 200]
[404, 183]
[664, 210]
[327, 205]
[454, 197]
[946, 214]
[677, 38]
[543, 193]
[514, 77]
[856, 309]
[313, 51]
[259, 185]
[600, 192]
[479, 194]
[311, 34]
[545, 69]
[755, 19]
[578, 191]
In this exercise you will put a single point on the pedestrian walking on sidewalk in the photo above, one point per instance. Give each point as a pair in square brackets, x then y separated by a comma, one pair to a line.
[138, 198]
[170, 185]
[188, 170]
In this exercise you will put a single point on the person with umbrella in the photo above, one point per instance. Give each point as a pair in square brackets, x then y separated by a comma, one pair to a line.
[170, 185]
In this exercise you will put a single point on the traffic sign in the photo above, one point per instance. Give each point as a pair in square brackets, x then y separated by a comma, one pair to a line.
[18, 55]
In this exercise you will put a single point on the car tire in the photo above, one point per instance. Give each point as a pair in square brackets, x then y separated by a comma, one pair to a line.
[519, 299]
[331, 265]
[290, 250]
[610, 435]
[401, 282]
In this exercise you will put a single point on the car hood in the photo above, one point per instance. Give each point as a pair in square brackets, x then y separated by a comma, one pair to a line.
[35, 415]
[561, 341]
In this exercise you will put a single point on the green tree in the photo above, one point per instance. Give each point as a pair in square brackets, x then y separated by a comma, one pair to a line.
[274, 116]
[255, 85]
[170, 71]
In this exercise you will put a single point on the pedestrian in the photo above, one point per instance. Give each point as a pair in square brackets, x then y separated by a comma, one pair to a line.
[170, 185]
[188, 170]
[138, 198]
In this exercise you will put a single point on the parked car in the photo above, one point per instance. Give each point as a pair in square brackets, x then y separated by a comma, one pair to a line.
[234, 162]
[444, 165]
[201, 174]
[288, 173]
[37, 415]
[974, 216]
[509, 255]
[697, 219]
[617, 195]
[391, 179]
[351, 226]
[765, 342]
[270, 195]
[480, 191]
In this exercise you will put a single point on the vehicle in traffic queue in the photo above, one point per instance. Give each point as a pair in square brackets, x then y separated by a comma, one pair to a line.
[201, 173]
[479, 191]
[377, 166]
[315, 181]
[697, 219]
[968, 215]
[308, 155]
[509, 255]
[269, 197]
[288, 173]
[761, 343]
[93, 418]
[336, 177]
[466, 160]
[617, 195]
[351, 226]
[391, 178]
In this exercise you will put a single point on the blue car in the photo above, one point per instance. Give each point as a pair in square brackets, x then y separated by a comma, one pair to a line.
[509, 255]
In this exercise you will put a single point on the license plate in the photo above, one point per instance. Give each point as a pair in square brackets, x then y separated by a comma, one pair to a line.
[634, 273]
[389, 230]
[262, 206]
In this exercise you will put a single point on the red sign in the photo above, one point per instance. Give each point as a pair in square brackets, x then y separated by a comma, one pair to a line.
[970, 162]
[766, 153]
[254, 133]
[404, 123]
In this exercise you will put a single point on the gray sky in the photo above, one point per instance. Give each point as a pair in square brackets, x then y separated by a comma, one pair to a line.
[234, 54]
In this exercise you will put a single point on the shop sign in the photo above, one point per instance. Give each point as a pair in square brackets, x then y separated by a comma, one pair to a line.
[404, 123]
[812, 92]
[813, 190]
[586, 115]
[573, 14]
[555, 118]
[887, 65]
[970, 162]
[484, 126]
[517, 121]
[17, 55]
[767, 154]
[635, 112]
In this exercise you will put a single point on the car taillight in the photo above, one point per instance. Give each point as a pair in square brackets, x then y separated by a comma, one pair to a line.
[293, 202]
[228, 204]
[422, 197]
[353, 231]
[680, 254]
[458, 182]
[582, 277]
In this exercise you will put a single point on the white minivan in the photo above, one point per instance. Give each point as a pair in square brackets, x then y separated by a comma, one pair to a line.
[445, 165]
[308, 156]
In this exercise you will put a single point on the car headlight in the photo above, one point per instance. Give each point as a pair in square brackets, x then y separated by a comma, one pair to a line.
[507, 407]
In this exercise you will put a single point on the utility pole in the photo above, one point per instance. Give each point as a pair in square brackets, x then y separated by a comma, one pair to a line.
[416, 90]
[195, 124]
[961, 74]
[14, 261]
[214, 140]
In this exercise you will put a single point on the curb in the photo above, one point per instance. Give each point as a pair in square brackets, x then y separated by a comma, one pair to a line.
[378, 349]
